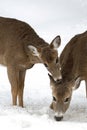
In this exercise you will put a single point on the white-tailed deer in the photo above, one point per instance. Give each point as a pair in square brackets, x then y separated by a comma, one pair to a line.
[20, 49]
[73, 61]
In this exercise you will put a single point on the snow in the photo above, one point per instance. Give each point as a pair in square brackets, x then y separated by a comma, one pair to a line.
[61, 17]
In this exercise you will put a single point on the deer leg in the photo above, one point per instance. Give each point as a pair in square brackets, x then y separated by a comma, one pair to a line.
[21, 87]
[13, 76]
[86, 87]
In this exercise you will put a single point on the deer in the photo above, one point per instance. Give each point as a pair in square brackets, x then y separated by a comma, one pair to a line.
[73, 62]
[21, 48]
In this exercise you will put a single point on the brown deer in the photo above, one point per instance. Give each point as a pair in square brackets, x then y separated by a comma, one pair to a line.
[20, 49]
[73, 61]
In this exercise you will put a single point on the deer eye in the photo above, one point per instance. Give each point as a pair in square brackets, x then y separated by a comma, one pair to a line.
[54, 99]
[66, 100]
[46, 65]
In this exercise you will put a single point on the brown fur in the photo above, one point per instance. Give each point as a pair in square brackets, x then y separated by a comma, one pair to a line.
[73, 60]
[20, 49]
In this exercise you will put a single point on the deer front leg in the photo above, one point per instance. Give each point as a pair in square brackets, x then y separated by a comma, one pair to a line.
[13, 76]
[21, 87]
[86, 87]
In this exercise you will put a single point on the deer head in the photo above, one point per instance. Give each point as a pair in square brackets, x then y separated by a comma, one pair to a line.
[62, 93]
[49, 57]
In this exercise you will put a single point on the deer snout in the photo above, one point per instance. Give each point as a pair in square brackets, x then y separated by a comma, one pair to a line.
[58, 118]
[58, 79]
[57, 76]
[56, 73]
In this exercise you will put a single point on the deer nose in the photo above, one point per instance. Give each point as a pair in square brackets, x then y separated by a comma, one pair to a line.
[58, 78]
[58, 118]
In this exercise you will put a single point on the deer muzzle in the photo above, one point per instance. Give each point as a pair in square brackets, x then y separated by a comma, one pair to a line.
[58, 116]
[56, 73]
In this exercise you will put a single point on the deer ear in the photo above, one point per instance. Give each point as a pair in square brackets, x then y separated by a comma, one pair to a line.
[34, 50]
[56, 42]
[76, 83]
